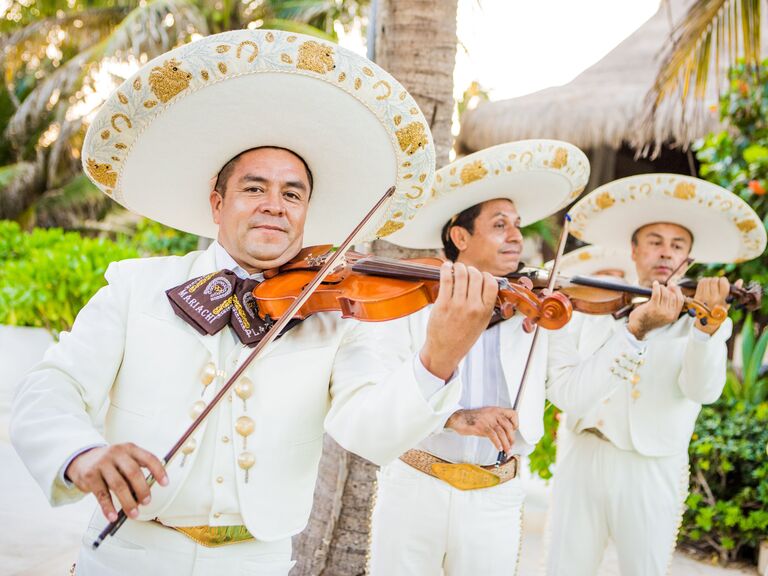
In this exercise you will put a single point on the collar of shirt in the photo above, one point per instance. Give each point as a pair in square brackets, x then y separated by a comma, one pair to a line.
[225, 261]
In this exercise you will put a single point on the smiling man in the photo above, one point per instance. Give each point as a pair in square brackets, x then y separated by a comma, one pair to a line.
[446, 507]
[151, 349]
[632, 388]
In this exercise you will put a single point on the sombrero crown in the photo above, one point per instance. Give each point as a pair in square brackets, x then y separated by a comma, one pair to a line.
[164, 134]
[724, 227]
[539, 176]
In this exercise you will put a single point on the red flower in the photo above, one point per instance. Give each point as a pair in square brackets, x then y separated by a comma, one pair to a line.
[743, 88]
[756, 187]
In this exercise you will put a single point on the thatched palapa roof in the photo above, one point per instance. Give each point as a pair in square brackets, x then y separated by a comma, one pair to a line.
[603, 106]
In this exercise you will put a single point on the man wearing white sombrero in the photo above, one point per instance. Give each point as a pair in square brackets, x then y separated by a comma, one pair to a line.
[632, 388]
[446, 506]
[266, 141]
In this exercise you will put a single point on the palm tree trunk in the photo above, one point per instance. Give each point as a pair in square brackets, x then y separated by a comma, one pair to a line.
[416, 43]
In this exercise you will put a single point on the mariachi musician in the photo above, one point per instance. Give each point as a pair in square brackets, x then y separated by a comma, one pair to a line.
[450, 505]
[632, 387]
[266, 141]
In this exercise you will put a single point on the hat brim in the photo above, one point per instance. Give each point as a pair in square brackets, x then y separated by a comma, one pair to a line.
[591, 260]
[724, 227]
[161, 160]
[539, 176]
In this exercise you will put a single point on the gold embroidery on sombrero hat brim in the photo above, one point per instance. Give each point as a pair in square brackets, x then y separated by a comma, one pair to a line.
[158, 86]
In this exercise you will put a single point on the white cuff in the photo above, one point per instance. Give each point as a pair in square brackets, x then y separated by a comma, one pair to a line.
[429, 384]
[638, 345]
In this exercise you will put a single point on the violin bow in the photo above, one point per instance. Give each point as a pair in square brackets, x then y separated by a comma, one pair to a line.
[273, 332]
[502, 456]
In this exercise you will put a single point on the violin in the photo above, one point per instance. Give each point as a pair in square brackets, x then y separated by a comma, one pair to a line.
[374, 289]
[594, 295]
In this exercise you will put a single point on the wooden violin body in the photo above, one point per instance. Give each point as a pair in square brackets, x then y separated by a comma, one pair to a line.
[593, 295]
[378, 289]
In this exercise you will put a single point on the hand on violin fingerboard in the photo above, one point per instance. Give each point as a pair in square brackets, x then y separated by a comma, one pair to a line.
[461, 313]
[713, 292]
[663, 308]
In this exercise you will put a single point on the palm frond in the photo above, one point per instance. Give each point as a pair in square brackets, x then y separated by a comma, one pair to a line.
[19, 184]
[147, 31]
[713, 33]
[73, 31]
[70, 205]
[298, 27]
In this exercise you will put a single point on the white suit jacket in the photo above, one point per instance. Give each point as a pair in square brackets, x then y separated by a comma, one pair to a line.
[593, 364]
[129, 353]
[515, 345]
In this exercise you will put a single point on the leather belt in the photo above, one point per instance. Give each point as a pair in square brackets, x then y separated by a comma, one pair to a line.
[213, 536]
[462, 476]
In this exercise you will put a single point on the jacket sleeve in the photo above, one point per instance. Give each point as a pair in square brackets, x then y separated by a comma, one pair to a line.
[380, 404]
[702, 377]
[576, 383]
[56, 410]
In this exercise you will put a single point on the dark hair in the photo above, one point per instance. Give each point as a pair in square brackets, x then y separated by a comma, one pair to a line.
[226, 172]
[636, 232]
[465, 219]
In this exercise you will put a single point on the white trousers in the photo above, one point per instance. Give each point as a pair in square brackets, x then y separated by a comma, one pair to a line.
[422, 526]
[602, 492]
[149, 549]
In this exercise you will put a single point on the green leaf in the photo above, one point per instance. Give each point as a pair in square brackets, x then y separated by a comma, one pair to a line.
[747, 340]
[752, 369]
[298, 27]
[755, 153]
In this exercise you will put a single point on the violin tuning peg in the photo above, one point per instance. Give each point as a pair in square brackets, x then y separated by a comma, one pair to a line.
[691, 312]
[528, 325]
[703, 321]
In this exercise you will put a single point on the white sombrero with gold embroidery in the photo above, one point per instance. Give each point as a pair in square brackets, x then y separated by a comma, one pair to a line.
[539, 176]
[592, 260]
[724, 227]
[161, 138]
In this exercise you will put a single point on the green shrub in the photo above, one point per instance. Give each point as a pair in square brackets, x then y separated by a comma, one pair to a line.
[46, 276]
[748, 384]
[728, 502]
[543, 457]
[737, 159]
[156, 239]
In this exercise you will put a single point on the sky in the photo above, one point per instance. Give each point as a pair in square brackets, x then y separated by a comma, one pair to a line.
[515, 47]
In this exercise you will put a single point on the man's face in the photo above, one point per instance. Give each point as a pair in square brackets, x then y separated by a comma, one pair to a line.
[659, 250]
[262, 212]
[496, 243]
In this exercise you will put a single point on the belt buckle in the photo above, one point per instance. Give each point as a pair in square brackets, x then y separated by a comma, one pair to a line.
[465, 476]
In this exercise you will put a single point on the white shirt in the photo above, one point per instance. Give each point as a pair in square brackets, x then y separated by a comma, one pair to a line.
[484, 385]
